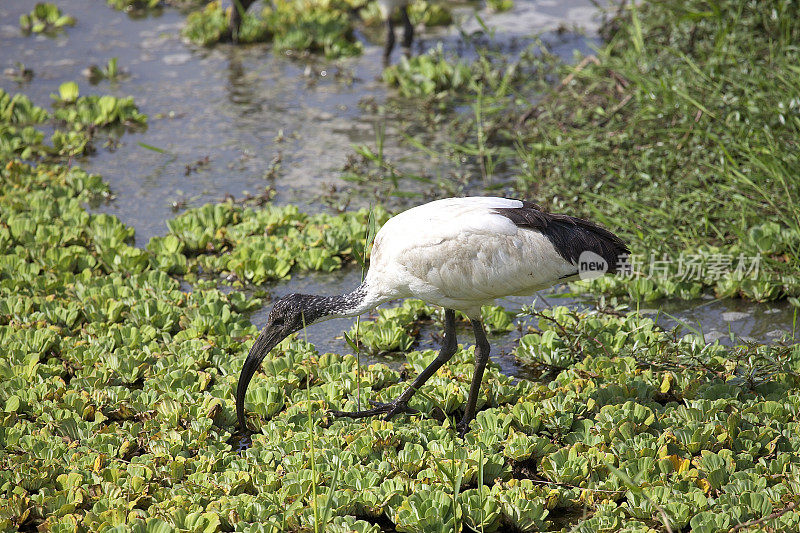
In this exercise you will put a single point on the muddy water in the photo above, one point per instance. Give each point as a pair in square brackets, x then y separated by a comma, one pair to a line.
[243, 111]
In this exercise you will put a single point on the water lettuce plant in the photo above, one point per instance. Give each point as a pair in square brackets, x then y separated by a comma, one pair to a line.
[19, 110]
[419, 12]
[75, 121]
[46, 17]
[500, 5]
[133, 5]
[210, 25]
[110, 71]
[254, 246]
[308, 26]
[83, 112]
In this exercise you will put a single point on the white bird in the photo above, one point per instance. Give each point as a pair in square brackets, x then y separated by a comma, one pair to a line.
[457, 253]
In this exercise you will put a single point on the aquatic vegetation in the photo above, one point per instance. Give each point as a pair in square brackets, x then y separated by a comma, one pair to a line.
[429, 13]
[500, 5]
[116, 387]
[82, 116]
[311, 25]
[255, 246]
[210, 25]
[316, 26]
[392, 330]
[117, 390]
[18, 136]
[110, 71]
[419, 12]
[19, 110]
[45, 18]
[207, 26]
[119, 384]
[428, 74]
[651, 136]
[132, 5]
[85, 112]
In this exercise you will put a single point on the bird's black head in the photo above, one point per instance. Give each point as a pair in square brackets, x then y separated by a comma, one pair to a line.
[289, 314]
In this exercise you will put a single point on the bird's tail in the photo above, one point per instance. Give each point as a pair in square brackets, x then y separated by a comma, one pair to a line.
[572, 237]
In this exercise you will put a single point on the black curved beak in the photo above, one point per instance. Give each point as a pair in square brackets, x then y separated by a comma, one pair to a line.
[266, 341]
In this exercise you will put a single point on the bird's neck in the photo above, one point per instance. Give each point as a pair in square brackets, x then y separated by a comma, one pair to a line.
[357, 302]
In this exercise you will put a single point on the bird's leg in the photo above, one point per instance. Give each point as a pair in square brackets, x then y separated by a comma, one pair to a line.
[481, 358]
[238, 9]
[387, 49]
[408, 30]
[400, 404]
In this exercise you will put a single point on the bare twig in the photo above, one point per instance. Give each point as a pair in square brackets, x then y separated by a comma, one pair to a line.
[776, 514]
[615, 110]
[579, 67]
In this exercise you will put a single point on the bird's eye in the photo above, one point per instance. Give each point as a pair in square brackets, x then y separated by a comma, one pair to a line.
[277, 321]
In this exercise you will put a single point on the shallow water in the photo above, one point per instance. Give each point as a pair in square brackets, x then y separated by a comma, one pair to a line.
[243, 107]
[239, 106]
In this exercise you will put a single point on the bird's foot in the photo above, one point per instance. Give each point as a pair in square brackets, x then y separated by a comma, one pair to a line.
[463, 427]
[389, 410]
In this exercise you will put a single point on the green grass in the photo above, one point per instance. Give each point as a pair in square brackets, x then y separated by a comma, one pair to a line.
[683, 137]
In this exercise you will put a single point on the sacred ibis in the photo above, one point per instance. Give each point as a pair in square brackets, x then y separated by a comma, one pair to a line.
[457, 253]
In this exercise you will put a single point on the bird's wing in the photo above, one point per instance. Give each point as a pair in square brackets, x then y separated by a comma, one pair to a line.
[464, 249]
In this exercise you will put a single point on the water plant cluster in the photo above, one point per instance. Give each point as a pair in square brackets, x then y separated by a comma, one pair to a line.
[45, 17]
[395, 329]
[118, 409]
[316, 26]
[255, 246]
[75, 121]
[134, 5]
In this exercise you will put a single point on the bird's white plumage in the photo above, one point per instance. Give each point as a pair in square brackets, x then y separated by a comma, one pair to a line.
[460, 254]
